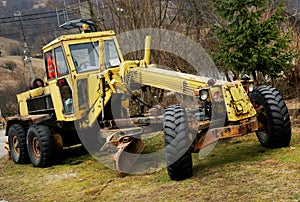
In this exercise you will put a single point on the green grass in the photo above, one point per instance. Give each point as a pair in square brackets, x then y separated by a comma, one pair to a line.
[238, 169]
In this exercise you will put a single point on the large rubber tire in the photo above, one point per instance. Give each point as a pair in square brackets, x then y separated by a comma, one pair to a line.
[273, 117]
[177, 144]
[41, 145]
[17, 144]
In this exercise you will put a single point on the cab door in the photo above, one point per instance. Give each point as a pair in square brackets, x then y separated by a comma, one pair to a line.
[60, 83]
[86, 65]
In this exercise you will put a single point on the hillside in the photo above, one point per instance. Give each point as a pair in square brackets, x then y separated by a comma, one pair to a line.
[28, 6]
[9, 78]
[6, 45]
[38, 23]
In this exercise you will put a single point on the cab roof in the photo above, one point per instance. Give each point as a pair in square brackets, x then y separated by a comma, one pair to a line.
[70, 37]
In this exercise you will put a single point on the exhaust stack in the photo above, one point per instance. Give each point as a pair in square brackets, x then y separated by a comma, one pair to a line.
[147, 55]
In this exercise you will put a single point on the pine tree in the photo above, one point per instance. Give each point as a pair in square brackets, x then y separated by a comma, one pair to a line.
[250, 38]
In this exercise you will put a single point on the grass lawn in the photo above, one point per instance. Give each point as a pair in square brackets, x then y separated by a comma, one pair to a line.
[238, 169]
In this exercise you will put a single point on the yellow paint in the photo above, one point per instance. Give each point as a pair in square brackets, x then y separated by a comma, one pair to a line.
[237, 102]
[238, 105]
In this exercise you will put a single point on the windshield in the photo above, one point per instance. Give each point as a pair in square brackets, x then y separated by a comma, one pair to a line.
[85, 56]
[111, 55]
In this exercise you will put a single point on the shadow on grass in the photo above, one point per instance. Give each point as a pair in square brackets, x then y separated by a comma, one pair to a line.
[242, 150]
[72, 156]
[231, 152]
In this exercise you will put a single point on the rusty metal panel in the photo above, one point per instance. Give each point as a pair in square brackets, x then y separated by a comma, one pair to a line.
[25, 119]
[231, 131]
[123, 145]
[33, 118]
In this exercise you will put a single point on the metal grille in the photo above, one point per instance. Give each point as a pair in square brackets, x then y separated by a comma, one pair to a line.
[41, 104]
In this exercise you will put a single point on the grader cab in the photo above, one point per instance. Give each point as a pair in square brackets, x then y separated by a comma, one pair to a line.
[89, 89]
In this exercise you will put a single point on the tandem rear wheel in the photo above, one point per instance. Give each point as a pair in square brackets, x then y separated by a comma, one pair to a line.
[40, 145]
[37, 145]
[17, 144]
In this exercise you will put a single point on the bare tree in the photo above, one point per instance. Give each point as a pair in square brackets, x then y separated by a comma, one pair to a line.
[191, 18]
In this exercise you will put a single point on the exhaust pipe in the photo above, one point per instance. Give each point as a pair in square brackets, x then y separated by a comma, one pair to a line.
[147, 54]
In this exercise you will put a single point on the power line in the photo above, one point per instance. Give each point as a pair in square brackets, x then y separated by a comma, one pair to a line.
[29, 15]
[52, 16]
[29, 26]
[18, 34]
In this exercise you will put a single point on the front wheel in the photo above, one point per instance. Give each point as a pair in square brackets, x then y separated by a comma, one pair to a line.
[41, 145]
[273, 117]
[177, 144]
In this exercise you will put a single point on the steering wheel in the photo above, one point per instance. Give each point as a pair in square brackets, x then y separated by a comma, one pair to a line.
[84, 65]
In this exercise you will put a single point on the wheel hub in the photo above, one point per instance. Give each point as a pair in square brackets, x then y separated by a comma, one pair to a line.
[36, 147]
[16, 145]
[263, 122]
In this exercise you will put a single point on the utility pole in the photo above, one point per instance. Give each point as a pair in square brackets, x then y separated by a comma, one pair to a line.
[27, 57]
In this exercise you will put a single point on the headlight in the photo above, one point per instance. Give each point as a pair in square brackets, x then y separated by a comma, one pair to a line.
[203, 95]
[251, 87]
[216, 96]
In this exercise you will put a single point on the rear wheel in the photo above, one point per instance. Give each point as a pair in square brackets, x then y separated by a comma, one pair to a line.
[273, 117]
[41, 145]
[17, 144]
[177, 144]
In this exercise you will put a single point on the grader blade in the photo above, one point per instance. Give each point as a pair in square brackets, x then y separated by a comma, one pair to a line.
[125, 146]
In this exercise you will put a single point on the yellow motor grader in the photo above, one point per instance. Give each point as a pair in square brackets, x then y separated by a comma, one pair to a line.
[89, 88]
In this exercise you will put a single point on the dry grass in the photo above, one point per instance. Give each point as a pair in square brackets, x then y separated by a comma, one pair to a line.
[9, 79]
[237, 170]
[6, 44]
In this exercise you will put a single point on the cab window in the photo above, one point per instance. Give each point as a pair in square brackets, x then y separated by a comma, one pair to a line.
[49, 64]
[111, 55]
[61, 65]
[85, 56]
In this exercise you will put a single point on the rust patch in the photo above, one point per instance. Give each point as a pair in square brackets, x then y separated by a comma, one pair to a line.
[216, 134]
